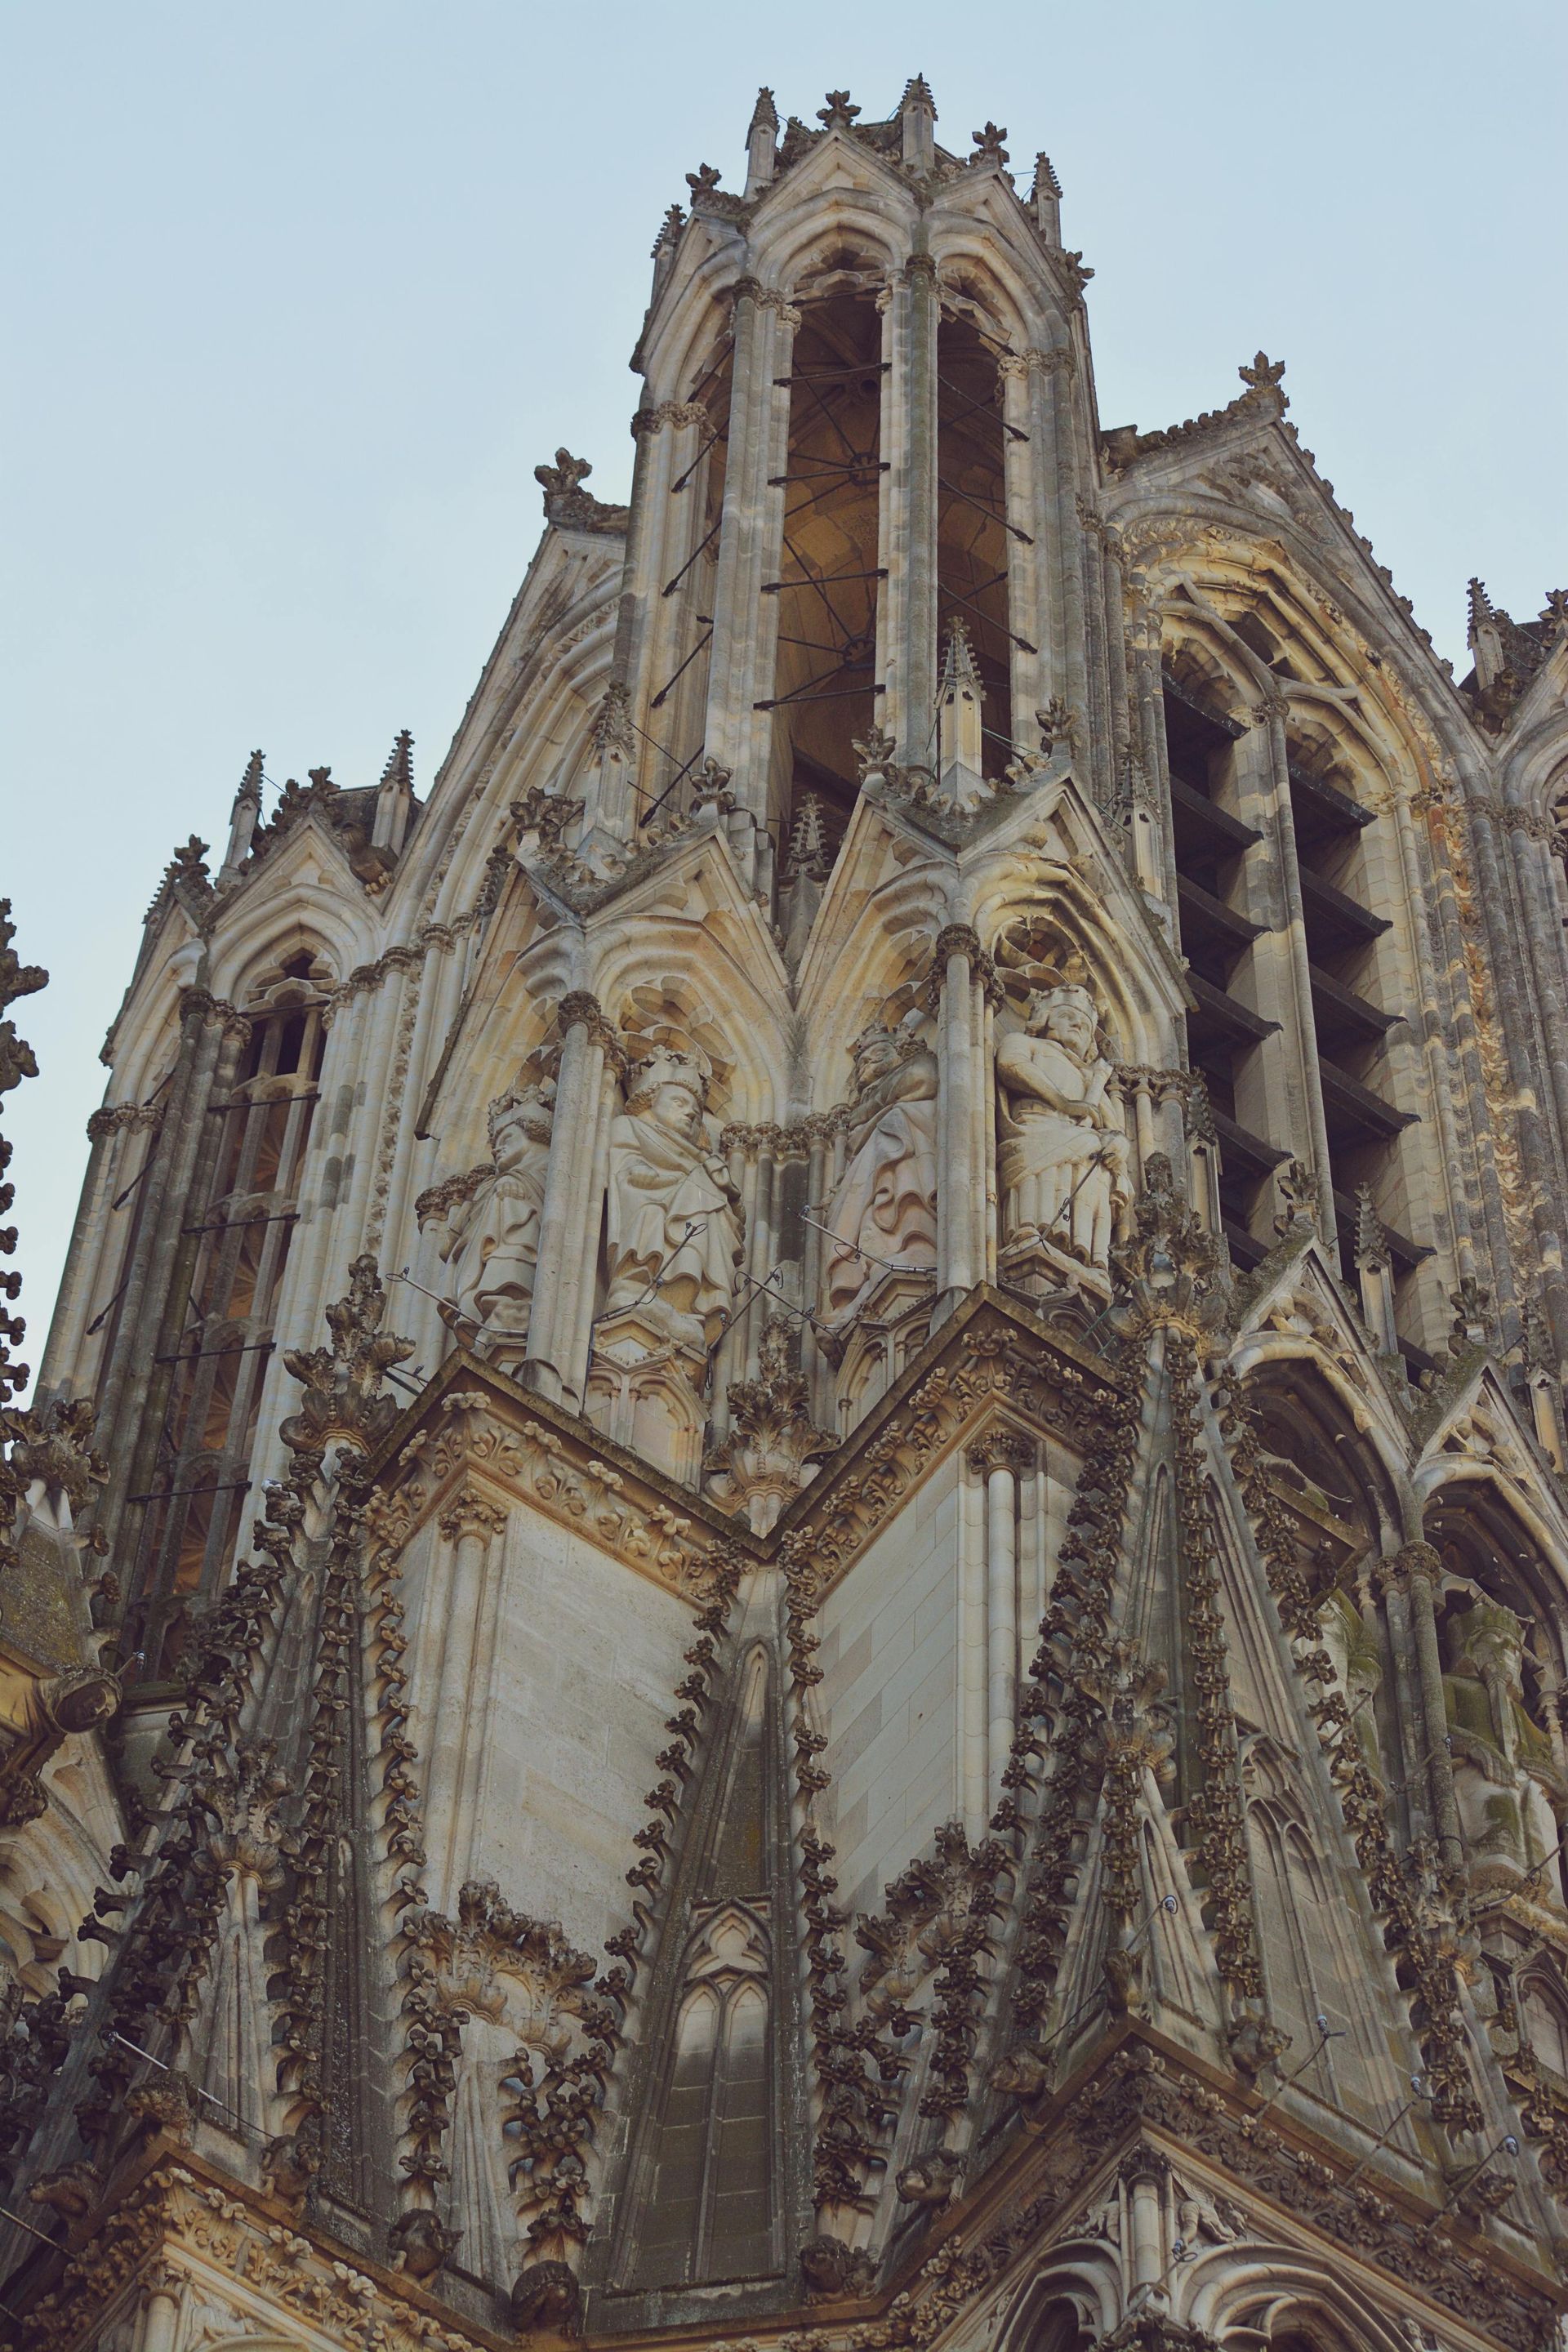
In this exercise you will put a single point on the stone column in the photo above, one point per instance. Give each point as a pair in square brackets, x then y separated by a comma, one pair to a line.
[159, 2314]
[1292, 978]
[910, 447]
[568, 1220]
[972, 1647]
[1416, 1570]
[578, 1350]
[745, 621]
[963, 973]
[1143, 2175]
[1019, 471]
[1001, 1457]
[1054, 526]
[469, 1524]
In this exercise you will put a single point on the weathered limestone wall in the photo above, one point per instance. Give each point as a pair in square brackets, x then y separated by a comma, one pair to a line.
[889, 1693]
[542, 1675]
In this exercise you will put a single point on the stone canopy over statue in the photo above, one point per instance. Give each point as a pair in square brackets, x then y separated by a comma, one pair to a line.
[884, 1209]
[487, 1223]
[1063, 1156]
[673, 1220]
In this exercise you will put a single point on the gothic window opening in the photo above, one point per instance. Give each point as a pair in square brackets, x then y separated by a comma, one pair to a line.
[710, 2212]
[1225, 1029]
[1350, 1028]
[684, 620]
[972, 527]
[705, 2207]
[825, 690]
[230, 1266]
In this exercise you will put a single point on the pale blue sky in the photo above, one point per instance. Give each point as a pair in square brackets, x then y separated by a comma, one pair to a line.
[297, 297]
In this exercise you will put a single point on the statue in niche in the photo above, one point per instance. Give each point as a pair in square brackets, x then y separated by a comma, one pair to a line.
[488, 1235]
[1512, 1798]
[673, 1219]
[1353, 1646]
[885, 1201]
[1064, 1159]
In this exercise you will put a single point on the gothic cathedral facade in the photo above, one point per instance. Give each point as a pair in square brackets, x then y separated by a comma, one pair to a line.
[793, 1571]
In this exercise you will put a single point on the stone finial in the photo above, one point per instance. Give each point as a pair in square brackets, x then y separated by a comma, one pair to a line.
[837, 114]
[344, 1385]
[988, 147]
[917, 121]
[559, 481]
[1262, 381]
[704, 181]
[567, 504]
[189, 866]
[762, 152]
[1046, 197]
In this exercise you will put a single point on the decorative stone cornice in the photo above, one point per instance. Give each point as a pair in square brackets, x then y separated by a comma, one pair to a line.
[434, 938]
[120, 1119]
[497, 1451]
[677, 413]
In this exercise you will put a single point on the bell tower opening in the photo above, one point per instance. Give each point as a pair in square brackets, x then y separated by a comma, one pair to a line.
[826, 687]
[972, 529]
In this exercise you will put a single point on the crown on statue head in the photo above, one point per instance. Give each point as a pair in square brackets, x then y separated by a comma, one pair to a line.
[670, 1065]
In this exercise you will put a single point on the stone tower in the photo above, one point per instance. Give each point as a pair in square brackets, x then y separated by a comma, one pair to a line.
[827, 1540]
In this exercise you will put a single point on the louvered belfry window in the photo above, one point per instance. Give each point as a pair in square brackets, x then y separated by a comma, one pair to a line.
[235, 1248]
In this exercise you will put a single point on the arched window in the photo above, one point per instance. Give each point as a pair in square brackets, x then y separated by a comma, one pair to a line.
[710, 2212]
[973, 528]
[1212, 846]
[825, 689]
[233, 1250]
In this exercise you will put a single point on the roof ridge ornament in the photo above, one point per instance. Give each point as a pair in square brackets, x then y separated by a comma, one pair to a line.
[839, 114]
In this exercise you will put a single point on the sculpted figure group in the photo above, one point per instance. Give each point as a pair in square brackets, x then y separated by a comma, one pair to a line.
[673, 1222]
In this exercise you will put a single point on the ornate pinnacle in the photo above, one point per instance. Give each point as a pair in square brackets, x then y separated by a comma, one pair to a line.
[344, 1395]
[918, 92]
[988, 147]
[1046, 181]
[958, 669]
[837, 114]
[669, 230]
[1481, 606]
[249, 792]
[704, 180]
[399, 768]
[764, 114]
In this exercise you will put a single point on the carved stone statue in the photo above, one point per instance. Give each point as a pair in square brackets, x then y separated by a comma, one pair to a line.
[673, 1223]
[1512, 1799]
[885, 1201]
[488, 1235]
[1064, 1160]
